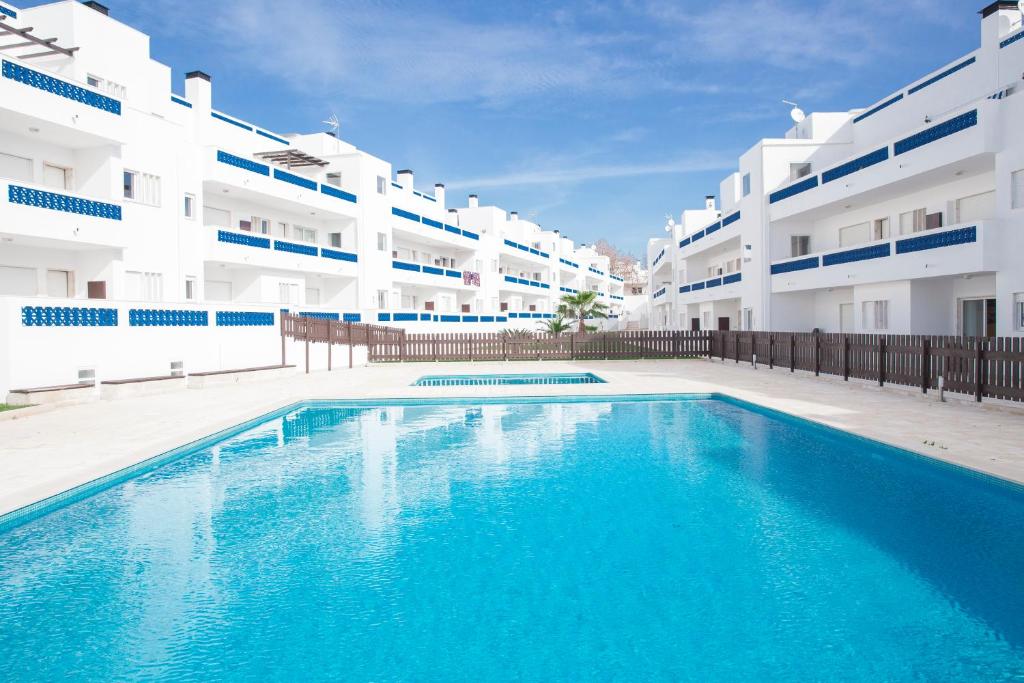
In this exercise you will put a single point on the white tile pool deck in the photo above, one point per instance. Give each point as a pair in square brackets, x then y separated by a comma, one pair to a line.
[43, 453]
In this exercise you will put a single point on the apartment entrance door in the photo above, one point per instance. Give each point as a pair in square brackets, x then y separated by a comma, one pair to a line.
[846, 318]
[978, 317]
[695, 324]
[723, 324]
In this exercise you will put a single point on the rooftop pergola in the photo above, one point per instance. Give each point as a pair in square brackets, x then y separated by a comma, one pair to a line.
[291, 158]
[7, 31]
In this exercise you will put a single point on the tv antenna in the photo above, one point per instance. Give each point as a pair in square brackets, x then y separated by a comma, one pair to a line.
[797, 114]
[670, 222]
[334, 124]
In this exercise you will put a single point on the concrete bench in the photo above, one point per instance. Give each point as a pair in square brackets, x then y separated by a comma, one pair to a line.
[56, 394]
[141, 386]
[200, 380]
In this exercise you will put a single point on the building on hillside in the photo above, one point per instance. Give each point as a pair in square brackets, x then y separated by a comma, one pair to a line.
[126, 205]
[905, 216]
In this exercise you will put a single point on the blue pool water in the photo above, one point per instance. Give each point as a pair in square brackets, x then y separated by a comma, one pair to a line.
[492, 380]
[623, 540]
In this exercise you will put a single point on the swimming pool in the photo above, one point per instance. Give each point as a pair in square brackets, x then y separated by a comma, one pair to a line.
[495, 380]
[585, 538]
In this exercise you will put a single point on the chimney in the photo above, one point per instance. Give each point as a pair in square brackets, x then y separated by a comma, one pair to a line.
[102, 9]
[709, 201]
[514, 216]
[998, 20]
[439, 193]
[454, 213]
[199, 89]
[474, 201]
[405, 178]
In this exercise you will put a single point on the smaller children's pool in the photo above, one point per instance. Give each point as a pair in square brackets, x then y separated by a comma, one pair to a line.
[491, 380]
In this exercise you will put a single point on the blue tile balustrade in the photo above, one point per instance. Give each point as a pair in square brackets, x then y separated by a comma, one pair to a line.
[617, 297]
[793, 266]
[683, 289]
[713, 228]
[429, 270]
[226, 119]
[319, 315]
[697, 286]
[1012, 39]
[152, 317]
[569, 263]
[178, 100]
[942, 130]
[402, 265]
[713, 282]
[351, 317]
[938, 77]
[244, 319]
[434, 224]
[710, 283]
[524, 281]
[408, 215]
[729, 220]
[660, 293]
[244, 164]
[523, 247]
[9, 12]
[658, 258]
[416, 218]
[880, 107]
[592, 269]
[949, 238]
[339, 255]
[859, 254]
[792, 190]
[68, 316]
[244, 240]
[291, 247]
[294, 179]
[617, 278]
[732, 279]
[858, 164]
[569, 290]
[698, 235]
[243, 126]
[16, 194]
[683, 242]
[36, 79]
[271, 136]
[531, 315]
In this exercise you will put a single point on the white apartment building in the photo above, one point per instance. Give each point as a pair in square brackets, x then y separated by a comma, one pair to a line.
[906, 216]
[140, 227]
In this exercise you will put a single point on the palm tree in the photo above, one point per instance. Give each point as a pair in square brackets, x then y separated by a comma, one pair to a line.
[555, 326]
[581, 307]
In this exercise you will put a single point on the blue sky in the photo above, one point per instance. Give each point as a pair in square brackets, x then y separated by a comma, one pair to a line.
[596, 118]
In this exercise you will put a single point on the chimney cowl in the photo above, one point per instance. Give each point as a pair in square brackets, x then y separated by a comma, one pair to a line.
[996, 6]
[441, 185]
[102, 9]
[198, 74]
[405, 170]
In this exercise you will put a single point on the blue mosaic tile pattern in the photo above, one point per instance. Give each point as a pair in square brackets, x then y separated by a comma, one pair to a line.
[273, 137]
[405, 317]
[568, 290]
[352, 317]
[319, 315]
[616, 277]
[683, 242]
[696, 286]
[617, 297]
[596, 271]
[68, 316]
[795, 189]
[291, 247]
[402, 265]
[529, 283]
[1012, 39]
[938, 77]
[9, 12]
[408, 215]
[713, 282]
[436, 224]
[33, 78]
[658, 258]
[942, 130]
[339, 255]
[729, 220]
[793, 266]
[244, 240]
[569, 263]
[683, 289]
[949, 238]
[178, 100]
[338, 194]
[225, 119]
[880, 107]
[858, 164]
[713, 228]
[660, 293]
[244, 164]
[860, 254]
[244, 319]
[523, 247]
[287, 177]
[150, 317]
[731, 279]
[16, 194]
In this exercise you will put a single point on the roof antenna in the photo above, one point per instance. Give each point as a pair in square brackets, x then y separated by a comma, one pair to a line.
[334, 124]
[797, 114]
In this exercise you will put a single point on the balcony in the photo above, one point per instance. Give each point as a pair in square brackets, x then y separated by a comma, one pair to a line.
[47, 217]
[711, 289]
[519, 284]
[433, 276]
[242, 248]
[717, 233]
[424, 229]
[961, 143]
[246, 179]
[955, 250]
[528, 253]
[68, 114]
[410, 316]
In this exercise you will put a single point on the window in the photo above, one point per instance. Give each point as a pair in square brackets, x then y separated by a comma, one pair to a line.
[142, 187]
[382, 185]
[746, 184]
[16, 168]
[218, 290]
[875, 315]
[260, 225]
[143, 286]
[800, 245]
[190, 288]
[334, 239]
[312, 296]
[880, 229]
[288, 293]
[912, 221]
[304, 234]
[215, 216]
[1016, 189]
[18, 281]
[382, 241]
[334, 179]
[748, 319]
[382, 298]
[94, 81]
[976, 207]
[190, 206]
[109, 87]
[797, 171]
[282, 229]
[1018, 311]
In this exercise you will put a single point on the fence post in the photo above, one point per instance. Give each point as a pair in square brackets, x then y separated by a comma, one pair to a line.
[572, 346]
[792, 352]
[330, 344]
[371, 348]
[433, 344]
[817, 354]
[771, 351]
[504, 348]
[401, 347]
[846, 358]
[604, 344]
[979, 388]
[350, 344]
[305, 333]
[282, 315]
[881, 360]
[926, 347]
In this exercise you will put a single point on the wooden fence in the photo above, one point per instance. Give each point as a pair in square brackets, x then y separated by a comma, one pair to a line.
[982, 367]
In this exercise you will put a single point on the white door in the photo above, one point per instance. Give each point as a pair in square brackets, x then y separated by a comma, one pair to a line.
[56, 177]
[855, 234]
[15, 168]
[846, 318]
[57, 283]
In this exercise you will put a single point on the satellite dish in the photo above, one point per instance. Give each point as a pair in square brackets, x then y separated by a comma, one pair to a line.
[797, 114]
